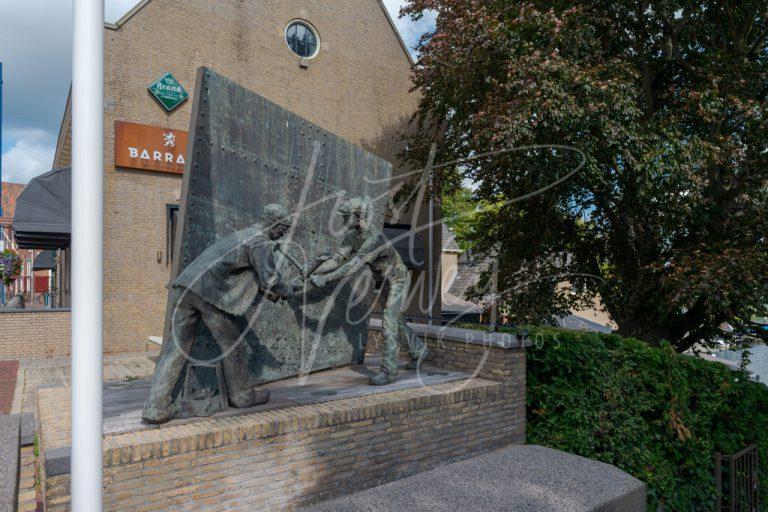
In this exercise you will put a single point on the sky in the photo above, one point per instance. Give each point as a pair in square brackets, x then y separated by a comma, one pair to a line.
[35, 49]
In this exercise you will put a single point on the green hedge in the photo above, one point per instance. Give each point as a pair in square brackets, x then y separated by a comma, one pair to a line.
[655, 414]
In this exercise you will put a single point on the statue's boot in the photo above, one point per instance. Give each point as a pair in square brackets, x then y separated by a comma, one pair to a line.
[382, 378]
[415, 364]
[156, 415]
[252, 398]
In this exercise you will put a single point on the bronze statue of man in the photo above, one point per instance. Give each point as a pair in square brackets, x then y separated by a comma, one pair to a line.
[219, 285]
[366, 245]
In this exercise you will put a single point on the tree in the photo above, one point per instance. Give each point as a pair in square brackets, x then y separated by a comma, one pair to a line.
[459, 211]
[664, 106]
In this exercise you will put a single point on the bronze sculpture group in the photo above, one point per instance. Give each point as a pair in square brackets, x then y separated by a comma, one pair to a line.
[239, 270]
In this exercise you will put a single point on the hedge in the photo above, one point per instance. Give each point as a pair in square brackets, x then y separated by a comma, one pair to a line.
[657, 415]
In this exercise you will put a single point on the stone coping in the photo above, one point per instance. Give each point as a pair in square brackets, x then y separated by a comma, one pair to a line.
[209, 433]
[36, 310]
[520, 478]
[503, 340]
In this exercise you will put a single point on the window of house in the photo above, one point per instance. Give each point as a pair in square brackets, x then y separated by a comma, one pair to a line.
[302, 39]
[171, 221]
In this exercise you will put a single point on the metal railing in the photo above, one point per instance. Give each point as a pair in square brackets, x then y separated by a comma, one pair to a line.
[736, 479]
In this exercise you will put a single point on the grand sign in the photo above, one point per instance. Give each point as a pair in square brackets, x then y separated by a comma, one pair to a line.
[150, 148]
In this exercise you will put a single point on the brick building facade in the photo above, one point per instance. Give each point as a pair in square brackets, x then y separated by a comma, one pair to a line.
[358, 86]
[24, 284]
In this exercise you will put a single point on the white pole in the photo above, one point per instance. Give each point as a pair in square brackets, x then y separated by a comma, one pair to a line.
[87, 252]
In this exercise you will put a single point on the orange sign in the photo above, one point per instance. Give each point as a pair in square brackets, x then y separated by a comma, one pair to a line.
[151, 148]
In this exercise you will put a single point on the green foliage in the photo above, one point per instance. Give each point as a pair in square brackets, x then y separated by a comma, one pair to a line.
[459, 211]
[663, 103]
[657, 415]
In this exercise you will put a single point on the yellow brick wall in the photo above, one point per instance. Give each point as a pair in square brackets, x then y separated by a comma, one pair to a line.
[34, 334]
[358, 86]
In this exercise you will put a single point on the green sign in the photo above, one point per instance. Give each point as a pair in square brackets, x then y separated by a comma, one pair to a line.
[168, 92]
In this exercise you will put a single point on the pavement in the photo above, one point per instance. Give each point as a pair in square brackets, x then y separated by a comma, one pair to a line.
[8, 371]
[55, 371]
[519, 478]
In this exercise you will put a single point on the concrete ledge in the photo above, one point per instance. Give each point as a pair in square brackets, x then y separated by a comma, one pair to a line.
[28, 429]
[9, 462]
[459, 335]
[519, 478]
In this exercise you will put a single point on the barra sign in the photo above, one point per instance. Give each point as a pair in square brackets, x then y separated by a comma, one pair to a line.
[150, 148]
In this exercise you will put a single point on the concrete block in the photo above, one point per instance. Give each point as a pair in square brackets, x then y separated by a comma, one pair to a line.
[520, 478]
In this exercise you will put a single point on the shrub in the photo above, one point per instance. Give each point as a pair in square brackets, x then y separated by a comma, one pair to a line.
[655, 414]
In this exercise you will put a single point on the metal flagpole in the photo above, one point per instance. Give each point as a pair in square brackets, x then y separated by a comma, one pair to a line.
[87, 253]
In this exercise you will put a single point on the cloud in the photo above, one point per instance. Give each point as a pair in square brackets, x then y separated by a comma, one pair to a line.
[115, 9]
[409, 30]
[31, 154]
[36, 52]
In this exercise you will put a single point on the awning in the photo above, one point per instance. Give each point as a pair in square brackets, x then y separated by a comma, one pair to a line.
[46, 260]
[404, 240]
[43, 212]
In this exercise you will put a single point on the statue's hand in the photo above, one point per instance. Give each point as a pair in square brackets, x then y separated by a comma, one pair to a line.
[297, 285]
[318, 281]
[324, 257]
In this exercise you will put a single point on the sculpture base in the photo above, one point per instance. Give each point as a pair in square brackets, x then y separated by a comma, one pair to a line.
[333, 435]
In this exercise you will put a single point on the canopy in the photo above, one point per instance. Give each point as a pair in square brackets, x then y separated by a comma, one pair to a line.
[46, 260]
[42, 219]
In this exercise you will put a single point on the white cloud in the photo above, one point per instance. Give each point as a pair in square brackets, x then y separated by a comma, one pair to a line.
[115, 9]
[409, 30]
[35, 49]
[30, 155]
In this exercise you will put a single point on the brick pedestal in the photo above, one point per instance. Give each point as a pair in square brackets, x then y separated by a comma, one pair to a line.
[279, 459]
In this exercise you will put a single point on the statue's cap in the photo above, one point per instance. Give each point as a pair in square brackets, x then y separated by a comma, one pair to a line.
[353, 205]
[276, 214]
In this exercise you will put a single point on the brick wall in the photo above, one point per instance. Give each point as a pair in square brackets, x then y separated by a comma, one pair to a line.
[476, 353]
[279, 459]
[358, 86]
[34, 334]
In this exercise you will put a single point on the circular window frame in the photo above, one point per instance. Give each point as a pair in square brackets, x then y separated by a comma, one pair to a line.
[311, 27]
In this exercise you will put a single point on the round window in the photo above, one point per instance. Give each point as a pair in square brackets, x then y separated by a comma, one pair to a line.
[302, 39]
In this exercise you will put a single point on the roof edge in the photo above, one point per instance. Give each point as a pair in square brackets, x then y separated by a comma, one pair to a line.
[119, 23]
[136, 8]
[63, 128]
[397, 32]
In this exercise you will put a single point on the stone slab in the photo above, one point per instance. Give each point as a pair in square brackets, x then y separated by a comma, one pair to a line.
[123, 401]
[245, 153]
[9, 462]
[477, 337]
[519, 478]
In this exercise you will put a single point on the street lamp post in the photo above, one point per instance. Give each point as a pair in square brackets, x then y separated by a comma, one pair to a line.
[87, 253]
